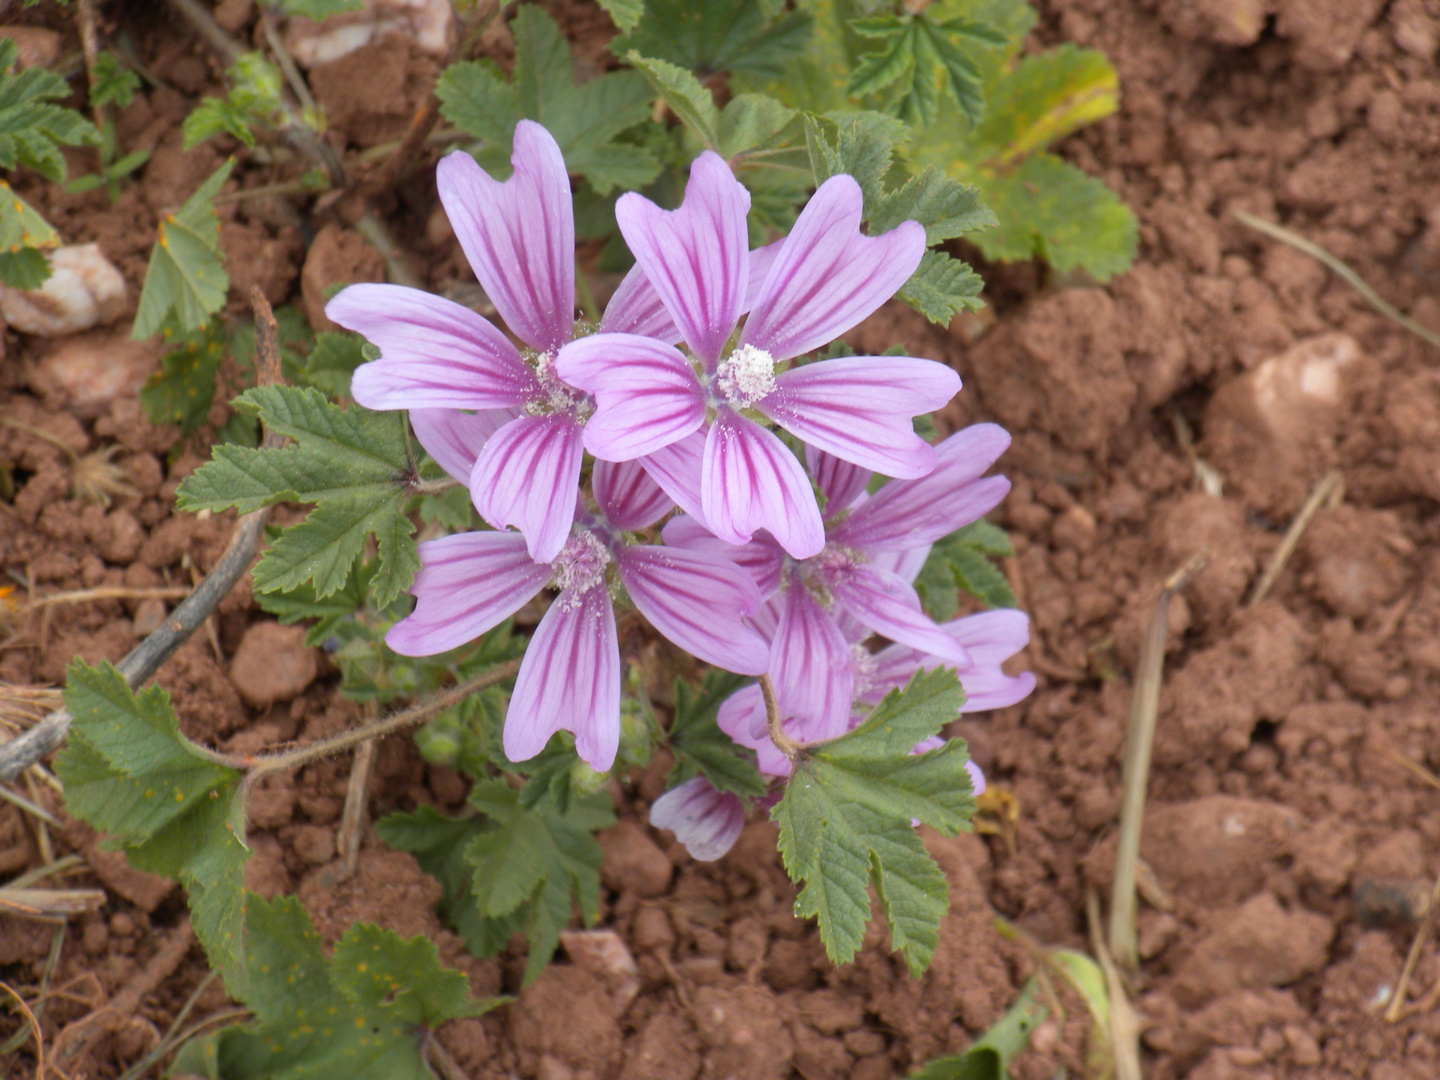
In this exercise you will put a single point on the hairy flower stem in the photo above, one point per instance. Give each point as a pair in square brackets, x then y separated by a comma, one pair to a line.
[786, 745]
[292, 759]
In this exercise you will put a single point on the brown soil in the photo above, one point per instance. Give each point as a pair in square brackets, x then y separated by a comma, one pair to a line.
[1282, 823]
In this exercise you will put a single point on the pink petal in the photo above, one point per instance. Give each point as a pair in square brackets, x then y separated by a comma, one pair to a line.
[829, 276]
[761, 558]
[860, 408]
[811, 668]
[636, 308]
[454, 438]
[434, 353]
[697, 601]
[676, 468]
[742, 714]
[749, 481]
[569, 681]
[839, 481]
[647, 396]
[695, 257]
[519, 236]
[627, 496]
[889, 606]
[527, 477]
[468, 583]
[909, 513]
[706, 821]
[990, 638]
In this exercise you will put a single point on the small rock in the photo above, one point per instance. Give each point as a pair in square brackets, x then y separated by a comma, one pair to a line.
[314, 843]
[37, 46]
[555, 1016]
[272, 664]
[146, 891]
[148, 617]
[1258, 944]
[633, 861]
[84, 289]
[604, 955]
[119, 540]
[429, 23]
[337, 257]
[87, 373]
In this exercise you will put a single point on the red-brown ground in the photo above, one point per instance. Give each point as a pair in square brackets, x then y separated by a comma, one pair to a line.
[1279, 809]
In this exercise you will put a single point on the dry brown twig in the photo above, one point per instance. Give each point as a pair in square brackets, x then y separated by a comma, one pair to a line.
[1331, 489]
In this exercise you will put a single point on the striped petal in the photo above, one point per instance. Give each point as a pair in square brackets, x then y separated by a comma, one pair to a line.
[889, 606]
[627, 496]
[434, 354]
[860, 408]
[830, 276]
[697, 257]
[569, 681]
[528, 477]
[706, 821]
[454, 438]
[761, 558]
[647, 396]
[676, 469]
[749, 480]
[467, 584]
[519, 235]
[697, 601]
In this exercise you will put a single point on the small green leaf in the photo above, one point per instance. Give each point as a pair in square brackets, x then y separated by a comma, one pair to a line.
[319, 10]
[946, 207]
[707, 36]
[185, 282]
[129, 771]
[691, 102]
[23, 235]
[182, 391]
[32, 130]
[513, 869]
[352, 464]
[215, 116]
[701, 748]
[585, 119]
[860, 144]
[363, 1014]
[845, 821]
[989, 1056]
[962, 560]
[112, 82]
[751, 122]
[942, 287]
[625, 14]
[328, 612]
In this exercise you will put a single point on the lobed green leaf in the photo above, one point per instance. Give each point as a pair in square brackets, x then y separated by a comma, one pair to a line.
[185, 282]
[701, 748]
[23, 236]
[32, 129]
[709, 36]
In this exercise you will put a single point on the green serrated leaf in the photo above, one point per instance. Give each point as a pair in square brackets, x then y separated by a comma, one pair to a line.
[352, 464]
[185, 282]
[23, 235]
[215, 116]
[513, 869]
[691, 102]
[32, 130]
[990, 1055]
[751, 122]
[701, 748]
[182, 391]
[625, 14]
[942, 287]
[128, 771]
[707, 36]
[112, 83]
[962, 560]
[845, 821]
[362, 1014]
[328, 612]
[860, 144]
[585, 119]
[946, 207]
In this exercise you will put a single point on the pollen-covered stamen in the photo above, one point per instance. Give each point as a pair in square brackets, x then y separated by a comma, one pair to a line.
[821, 573]
[556, 395]
[746, 376]
[581, 565]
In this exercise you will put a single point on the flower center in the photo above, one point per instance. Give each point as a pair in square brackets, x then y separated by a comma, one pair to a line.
[556, 395]
[746, 376]
[581, 565]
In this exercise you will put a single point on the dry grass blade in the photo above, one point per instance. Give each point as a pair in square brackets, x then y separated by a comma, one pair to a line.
[1139, 741]
[1331, 488]
[34, 1026]
[21, 706]
[1350, 277]
[1397, 1009]
[50, 904]
[1124, 1024]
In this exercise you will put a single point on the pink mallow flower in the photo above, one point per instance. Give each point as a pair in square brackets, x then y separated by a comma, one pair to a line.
[570, 677]
[519, 237]
[860, 581]
[689, 417]
[706, 821]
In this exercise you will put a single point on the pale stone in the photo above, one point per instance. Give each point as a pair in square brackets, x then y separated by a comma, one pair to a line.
[84, 290]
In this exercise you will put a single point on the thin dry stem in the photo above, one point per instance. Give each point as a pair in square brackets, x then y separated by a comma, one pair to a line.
[112, 592]
[352, 818]
[1139, 742]
[1331, 484]
[1124, 1023]
[34, 1026]
[1397, 1010]
[786, 745]
[1350, 277]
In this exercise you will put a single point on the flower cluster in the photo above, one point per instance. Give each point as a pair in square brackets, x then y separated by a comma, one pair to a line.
[670, 402]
